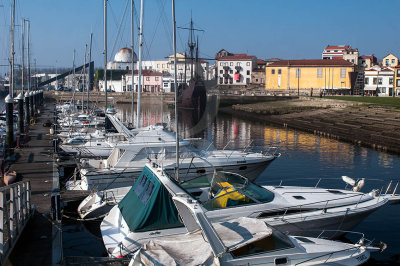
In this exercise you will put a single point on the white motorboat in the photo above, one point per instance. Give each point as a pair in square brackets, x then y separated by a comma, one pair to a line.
[244, 241]
[147, 211]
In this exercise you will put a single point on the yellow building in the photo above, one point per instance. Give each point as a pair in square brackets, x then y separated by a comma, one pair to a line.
[397, 80]
[390, 60]
[307, 75]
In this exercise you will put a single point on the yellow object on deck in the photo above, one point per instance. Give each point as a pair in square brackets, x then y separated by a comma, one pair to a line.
[227, 193]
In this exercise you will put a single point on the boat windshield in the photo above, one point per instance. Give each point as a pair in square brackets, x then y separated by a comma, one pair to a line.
[228, 190]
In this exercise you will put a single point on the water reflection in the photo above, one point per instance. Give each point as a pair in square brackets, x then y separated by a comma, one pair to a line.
[224, 129]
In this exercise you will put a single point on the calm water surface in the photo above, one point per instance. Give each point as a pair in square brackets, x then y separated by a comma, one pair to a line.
[305, 159]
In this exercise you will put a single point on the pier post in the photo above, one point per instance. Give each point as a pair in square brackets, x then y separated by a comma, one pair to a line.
[27, 111]
[20, 99]
[9, 125]
[31, 104]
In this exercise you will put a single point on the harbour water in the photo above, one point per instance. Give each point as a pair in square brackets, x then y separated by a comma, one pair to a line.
[305, 158]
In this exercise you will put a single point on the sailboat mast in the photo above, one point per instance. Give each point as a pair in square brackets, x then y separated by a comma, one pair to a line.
[84, 81]
[29, 56]
[176, 93]
[23, 57]
[73, 82]
[11, 88]
[140, 64]
[89, 73]
[105, 53]
[133, 59]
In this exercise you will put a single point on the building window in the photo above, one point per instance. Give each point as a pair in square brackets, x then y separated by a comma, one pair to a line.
[393, 61]
[298, 73]
[230, 80]
[398, 72]
[279, 71]
[379, 81]
[248, 72]
[336, 51]
[366, 80]
[352, 60]
[238, 64]
[221, 71]
[248, 64]
[262, 80]
[147, 78]
[397, 82]
[231, 71]
[157, 78]
[221, 80]
[319, 73]
[374, 80]
[231, 64]
[247, 80]
[165, 84]
[272, 71]
[383, 90]
[221, 64]
[226, 64]
[158, 65]
[387, 62]
[342, 72]
[390, 81]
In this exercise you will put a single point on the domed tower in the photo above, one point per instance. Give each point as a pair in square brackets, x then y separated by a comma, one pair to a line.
[123, 59]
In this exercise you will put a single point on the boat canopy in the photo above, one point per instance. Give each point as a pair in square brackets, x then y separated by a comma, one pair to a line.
[148, 205]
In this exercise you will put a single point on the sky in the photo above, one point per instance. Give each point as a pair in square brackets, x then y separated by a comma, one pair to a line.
[287, 29]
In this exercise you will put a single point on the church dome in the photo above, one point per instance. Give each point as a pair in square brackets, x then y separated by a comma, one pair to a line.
[124, 55]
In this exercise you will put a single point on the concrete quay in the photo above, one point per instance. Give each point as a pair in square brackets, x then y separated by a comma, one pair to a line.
[370, 126]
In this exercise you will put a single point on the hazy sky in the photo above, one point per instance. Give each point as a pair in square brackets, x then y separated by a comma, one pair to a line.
[288, 29]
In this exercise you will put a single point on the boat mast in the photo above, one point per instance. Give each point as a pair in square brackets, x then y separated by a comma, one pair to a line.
[29, 56]
[133, 59]
[73, 82]
[11, 82]
[84, 81]
[176, 93]
[105, 53]
[23, 56]
[89, 78]
[140, 64]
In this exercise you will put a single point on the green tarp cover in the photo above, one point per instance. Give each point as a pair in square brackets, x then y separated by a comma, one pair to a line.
[148, 205]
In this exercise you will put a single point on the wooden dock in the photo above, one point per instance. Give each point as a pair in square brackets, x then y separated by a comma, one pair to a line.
[34, 163]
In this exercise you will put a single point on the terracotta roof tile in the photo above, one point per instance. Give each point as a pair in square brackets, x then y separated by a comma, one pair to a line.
[236, 57]
[312, 62]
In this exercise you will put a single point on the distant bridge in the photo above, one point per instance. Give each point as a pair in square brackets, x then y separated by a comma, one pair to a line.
[70, 72]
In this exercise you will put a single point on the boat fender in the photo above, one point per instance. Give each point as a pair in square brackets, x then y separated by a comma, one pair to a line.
[360, 185]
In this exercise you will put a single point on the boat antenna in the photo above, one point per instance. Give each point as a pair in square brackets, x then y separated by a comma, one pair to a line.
[133, 59]
[176, 94]
[105, 54]
[140, 64]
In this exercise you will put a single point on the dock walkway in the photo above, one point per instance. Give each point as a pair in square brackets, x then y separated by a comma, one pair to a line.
[34, 163]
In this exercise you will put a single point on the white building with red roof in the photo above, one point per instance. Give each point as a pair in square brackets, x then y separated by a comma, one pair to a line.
[235, 69]
[341, 52]
[378, 81]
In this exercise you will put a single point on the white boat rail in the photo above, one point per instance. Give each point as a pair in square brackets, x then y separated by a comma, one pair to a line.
[15, 211]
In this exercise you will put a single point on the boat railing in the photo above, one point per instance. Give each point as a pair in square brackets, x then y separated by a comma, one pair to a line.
[303, 207]
[15, 212]
[356, 247]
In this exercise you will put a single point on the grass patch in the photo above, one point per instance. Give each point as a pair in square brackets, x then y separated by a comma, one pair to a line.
[383, 101]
